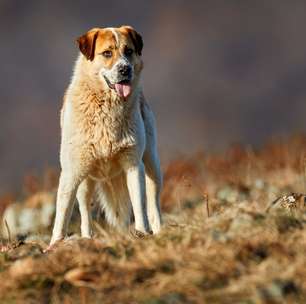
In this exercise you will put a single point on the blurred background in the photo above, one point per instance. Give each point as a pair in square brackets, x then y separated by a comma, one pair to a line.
[216, 72]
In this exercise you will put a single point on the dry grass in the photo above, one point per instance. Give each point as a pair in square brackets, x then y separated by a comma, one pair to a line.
[219, 243]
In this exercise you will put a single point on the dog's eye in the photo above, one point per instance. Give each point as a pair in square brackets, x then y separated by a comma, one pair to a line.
[107, 54]
[128, 52]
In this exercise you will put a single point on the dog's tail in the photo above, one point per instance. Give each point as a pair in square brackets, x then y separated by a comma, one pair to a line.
[113, 197]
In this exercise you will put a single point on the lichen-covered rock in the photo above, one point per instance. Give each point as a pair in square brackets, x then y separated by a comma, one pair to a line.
[33, 214]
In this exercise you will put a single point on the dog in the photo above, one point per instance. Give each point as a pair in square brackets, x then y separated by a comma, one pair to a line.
[108, 137]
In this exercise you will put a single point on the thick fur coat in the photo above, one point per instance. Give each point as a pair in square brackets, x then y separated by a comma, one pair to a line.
[108, 144]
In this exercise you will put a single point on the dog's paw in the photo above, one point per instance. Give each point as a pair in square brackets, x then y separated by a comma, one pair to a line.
[156, 227]
[155, 224]
[52, 246]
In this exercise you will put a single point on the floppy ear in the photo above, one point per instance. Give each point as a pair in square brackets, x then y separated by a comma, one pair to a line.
[136, 38]
[87, 43]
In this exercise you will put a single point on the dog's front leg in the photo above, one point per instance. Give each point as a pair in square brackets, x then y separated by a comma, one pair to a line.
[66, 193]
[84, 197]
[135, 177]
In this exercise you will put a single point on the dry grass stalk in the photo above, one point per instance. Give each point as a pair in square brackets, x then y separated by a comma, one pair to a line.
[239, 254]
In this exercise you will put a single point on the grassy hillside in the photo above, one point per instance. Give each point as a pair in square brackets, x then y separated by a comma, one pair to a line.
[226, 239]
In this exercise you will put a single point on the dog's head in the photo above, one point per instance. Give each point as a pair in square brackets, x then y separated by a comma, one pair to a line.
[114, 56]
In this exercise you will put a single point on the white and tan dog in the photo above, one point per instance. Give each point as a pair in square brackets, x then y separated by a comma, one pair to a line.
[108, 144]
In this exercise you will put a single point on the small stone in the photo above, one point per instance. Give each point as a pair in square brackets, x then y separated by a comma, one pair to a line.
[259, 184]
[228, 194]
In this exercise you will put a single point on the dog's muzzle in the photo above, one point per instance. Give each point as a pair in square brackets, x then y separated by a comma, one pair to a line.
[110, 85]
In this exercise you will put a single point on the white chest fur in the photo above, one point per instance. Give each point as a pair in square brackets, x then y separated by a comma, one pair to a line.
[114, 128]
[103, 125]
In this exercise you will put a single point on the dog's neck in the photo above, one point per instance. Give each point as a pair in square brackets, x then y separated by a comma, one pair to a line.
[104, 118]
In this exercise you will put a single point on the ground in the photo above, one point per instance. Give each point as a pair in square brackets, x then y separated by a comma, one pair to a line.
[226, 238]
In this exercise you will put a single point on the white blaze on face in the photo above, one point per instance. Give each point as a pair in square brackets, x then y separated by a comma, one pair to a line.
[115, 35]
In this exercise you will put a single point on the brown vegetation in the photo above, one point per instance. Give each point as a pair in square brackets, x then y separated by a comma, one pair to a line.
[223, 240]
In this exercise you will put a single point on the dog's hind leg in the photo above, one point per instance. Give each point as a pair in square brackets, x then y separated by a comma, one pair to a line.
[84, 197]
[114, 199]
[153, 175]
[153, 189]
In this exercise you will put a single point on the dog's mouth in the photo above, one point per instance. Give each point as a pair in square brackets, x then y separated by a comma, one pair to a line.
[122, 88]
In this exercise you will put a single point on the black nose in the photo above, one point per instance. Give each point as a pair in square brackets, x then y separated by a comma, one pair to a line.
[125, 70]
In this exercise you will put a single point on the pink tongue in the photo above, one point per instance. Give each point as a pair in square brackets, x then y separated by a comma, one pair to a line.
[123, 90]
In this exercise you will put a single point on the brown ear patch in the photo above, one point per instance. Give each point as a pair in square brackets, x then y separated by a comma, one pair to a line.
[87, 43]
[136, 39]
